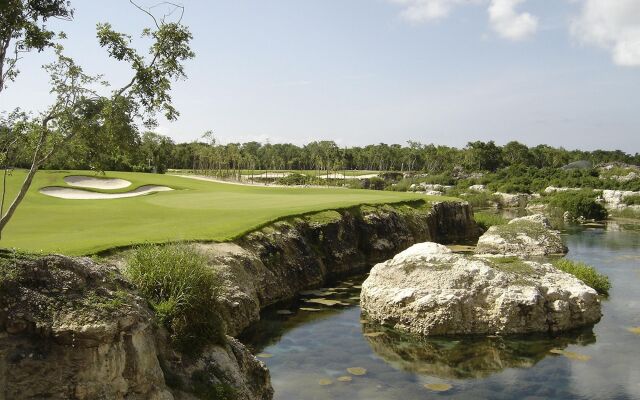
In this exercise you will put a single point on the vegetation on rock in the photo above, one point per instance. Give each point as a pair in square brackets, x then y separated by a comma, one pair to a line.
[586, 273]
[182, 290]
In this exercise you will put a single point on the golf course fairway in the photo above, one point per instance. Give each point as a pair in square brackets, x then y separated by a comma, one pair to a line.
[194, 210]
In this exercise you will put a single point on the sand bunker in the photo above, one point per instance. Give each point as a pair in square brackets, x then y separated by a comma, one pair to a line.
[96, 183]
[78, 194]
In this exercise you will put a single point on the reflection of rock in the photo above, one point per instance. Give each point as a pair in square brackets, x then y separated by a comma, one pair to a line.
[468, 357]
[429, 290]
[526, 236]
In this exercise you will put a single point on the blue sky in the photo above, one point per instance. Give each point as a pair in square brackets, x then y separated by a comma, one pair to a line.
[560, 72]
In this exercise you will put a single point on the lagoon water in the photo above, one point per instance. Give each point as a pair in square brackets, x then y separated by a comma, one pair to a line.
[308, 350]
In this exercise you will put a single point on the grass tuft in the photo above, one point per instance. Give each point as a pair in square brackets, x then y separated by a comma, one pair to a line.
[182, 290]
[487, 220]
[586, 274]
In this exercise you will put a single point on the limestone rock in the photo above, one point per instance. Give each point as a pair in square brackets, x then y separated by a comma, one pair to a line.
[526, 236]
[478, 188]
[429, 290]
[615, 198]
[509, 200]
[74, 329]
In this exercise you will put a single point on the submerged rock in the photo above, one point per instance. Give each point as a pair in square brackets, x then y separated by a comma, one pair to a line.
[526, 236]
[429, 290]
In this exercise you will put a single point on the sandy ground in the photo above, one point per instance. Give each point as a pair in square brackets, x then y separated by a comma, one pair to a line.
[79, 194]
[211, 179]
[96, 183]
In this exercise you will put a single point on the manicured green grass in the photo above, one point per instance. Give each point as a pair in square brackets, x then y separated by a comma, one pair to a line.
[197, 210]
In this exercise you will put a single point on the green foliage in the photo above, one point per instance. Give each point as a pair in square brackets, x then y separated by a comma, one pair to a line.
[182, 290]
[579, 204]
[625, 213]
[487, 220]
[586, 273]
[632, 200]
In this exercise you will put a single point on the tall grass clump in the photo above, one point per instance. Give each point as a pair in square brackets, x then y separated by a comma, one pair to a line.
[585, 273]
[182, 290]
[487, 220]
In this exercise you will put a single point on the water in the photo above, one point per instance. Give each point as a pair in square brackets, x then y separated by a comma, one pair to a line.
[308, 351]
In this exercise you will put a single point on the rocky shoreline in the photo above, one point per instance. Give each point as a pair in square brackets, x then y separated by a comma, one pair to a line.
[71, 328]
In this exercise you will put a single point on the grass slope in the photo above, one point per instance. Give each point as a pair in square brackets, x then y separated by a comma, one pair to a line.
[197, 210]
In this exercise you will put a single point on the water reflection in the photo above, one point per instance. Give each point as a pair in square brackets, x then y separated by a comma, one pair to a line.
[467, 357]
[308, 347]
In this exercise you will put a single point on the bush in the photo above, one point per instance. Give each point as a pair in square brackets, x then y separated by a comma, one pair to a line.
[182, 290]
[579, 204]
[481, 199]
[486, 220]
[586, 274]
[632, 200]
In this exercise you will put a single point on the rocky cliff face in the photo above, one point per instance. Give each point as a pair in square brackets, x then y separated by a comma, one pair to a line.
[277, 262]
[73, 329]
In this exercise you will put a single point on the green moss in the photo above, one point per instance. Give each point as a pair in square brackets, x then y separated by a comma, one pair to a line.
[324, 217]
[512, 265]
[586, 273]
[204, 389]
[529, 228]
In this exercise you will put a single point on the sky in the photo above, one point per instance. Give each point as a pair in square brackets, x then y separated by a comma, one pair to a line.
[558, 72]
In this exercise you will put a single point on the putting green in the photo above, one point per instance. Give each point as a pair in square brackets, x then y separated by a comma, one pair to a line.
[195, 210]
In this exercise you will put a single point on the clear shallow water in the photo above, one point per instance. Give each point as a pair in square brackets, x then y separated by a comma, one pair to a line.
[307, 348]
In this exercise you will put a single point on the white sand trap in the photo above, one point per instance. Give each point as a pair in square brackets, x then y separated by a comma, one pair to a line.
[79, 194]
[96, 183]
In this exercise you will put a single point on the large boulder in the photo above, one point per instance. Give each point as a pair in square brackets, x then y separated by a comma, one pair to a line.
[429, 290]
[509, 200]
[614, 199]
[526, 236]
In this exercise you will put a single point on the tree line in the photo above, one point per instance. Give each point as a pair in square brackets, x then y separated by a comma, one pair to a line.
[151, 152]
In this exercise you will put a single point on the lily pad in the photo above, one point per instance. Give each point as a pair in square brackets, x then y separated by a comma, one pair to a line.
[571, 355]
[310, 309]
[325, 382]
[374, 334]
[345, 378]
[635, 329]
[357, 371]
[264, 355]
[438, 387]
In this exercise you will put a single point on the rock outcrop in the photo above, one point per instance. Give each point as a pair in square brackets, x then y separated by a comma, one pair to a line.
[277, 262]
[527, 236]
[509, 200]
[73, 329]
[614, 199]
[429, 290]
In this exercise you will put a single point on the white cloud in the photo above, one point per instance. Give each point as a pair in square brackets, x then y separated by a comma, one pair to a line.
[613, 25]
[502, 14]
[510, 24]
[427, 10]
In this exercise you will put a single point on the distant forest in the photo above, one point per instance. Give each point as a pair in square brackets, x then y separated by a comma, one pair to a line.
[151, 152]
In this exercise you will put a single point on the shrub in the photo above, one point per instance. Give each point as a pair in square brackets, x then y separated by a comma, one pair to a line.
[487, 220]
[632, 200]
[579, 204]
[182, 290]
[481, 199]
[585, 273]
